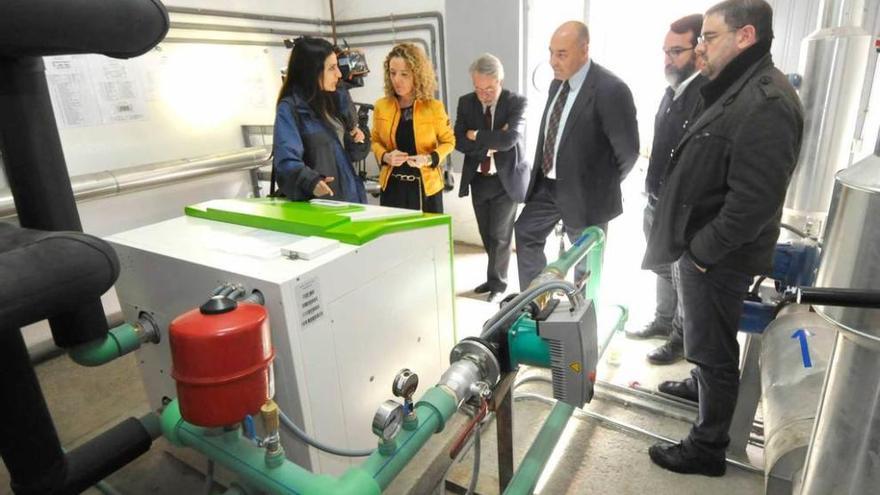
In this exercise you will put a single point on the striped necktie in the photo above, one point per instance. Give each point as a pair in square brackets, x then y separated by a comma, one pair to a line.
[553, 128]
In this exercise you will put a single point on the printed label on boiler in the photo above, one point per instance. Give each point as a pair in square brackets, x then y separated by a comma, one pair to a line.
[308, 296]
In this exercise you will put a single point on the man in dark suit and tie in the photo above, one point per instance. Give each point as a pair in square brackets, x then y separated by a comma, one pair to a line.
[588, 142]
[488, 130]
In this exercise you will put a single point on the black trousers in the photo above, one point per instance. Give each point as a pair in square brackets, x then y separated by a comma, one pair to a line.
[711, 304]
[531, 229]
[404, 190]
[495, 212]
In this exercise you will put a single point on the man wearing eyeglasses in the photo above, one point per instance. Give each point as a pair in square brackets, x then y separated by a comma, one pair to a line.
[587, 144]
[673, 117]
[489, 131]
[719, 213]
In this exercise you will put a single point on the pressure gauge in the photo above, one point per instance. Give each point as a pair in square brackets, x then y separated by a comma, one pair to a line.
[405, 384]
[388, 420]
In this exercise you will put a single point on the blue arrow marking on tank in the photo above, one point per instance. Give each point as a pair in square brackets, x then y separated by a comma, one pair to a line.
[801, 335]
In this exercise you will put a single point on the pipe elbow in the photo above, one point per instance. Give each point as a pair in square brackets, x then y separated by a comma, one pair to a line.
[118, 342]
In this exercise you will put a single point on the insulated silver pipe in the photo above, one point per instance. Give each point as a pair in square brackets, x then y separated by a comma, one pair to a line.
[152, 175]
[833, 70]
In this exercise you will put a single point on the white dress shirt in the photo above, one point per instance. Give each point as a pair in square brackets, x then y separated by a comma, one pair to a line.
[574, 83]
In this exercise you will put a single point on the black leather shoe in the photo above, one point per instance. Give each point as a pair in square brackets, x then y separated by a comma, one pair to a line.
[493, 295]
[678, 459]
[685, 389]
[667, 353]
[483, 288]
[653, 329]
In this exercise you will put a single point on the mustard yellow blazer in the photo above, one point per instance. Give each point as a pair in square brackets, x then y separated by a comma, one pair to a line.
[432, 130]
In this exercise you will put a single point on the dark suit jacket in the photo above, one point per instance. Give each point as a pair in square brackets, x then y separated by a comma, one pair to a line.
[510, 157]
[670, 124]
[597, 148]
[725, 187]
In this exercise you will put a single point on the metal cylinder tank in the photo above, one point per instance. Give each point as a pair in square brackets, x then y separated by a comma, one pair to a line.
[844, 455]
[222, 356]
[833, 64]
[791, 384]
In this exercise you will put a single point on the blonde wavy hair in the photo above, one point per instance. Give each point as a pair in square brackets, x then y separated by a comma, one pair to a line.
[424, 80]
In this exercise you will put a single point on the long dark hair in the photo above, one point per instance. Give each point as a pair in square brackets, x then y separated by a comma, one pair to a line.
[304, 72]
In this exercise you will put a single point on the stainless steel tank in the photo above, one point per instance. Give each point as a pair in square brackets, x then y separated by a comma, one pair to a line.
[790, 391]
[844, 456]
[833, 63]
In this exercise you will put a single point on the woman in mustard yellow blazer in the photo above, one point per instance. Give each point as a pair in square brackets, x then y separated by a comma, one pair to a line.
[411, 133]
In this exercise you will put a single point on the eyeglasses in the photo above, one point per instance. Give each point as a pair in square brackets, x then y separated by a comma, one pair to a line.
[676, 51]
[708, 38]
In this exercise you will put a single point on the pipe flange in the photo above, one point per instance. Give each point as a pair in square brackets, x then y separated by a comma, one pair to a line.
[481, 354]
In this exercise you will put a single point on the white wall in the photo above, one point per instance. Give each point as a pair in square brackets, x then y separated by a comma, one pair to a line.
[630, 46]
[493, 26]
[542, 19]
[188, 99]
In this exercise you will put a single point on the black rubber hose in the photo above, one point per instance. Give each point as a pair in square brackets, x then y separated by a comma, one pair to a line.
[828, 296]
[28, 442]
[121, 28]
[31, 146]
[105, 454]
[37, 174]
[55, 275]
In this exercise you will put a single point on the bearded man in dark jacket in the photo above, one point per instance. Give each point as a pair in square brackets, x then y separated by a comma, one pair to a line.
[719, 212]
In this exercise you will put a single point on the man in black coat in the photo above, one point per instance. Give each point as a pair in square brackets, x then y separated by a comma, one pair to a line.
[587, 144]
[719, 213]
[489, 131]
[673, 117]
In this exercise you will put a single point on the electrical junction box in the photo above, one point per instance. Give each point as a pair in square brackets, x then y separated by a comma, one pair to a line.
[342, 324]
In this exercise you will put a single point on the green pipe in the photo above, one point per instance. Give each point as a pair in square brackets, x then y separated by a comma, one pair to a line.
[435, 408]
[622, 319]
[118, 342]
[152, 422]
[525, 346]
[241, 456]
[532, 465]
[106, 489]
[595, 257]
[591, 238]
[236, 489]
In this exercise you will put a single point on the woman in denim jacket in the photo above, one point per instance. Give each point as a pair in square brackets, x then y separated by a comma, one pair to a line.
[316, 135]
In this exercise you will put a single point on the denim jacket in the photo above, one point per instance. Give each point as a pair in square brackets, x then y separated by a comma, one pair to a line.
[307, 149]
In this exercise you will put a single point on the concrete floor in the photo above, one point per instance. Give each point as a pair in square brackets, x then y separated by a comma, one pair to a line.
[591, 457]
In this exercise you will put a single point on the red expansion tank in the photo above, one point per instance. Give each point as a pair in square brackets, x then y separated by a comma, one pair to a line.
[222, 361]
